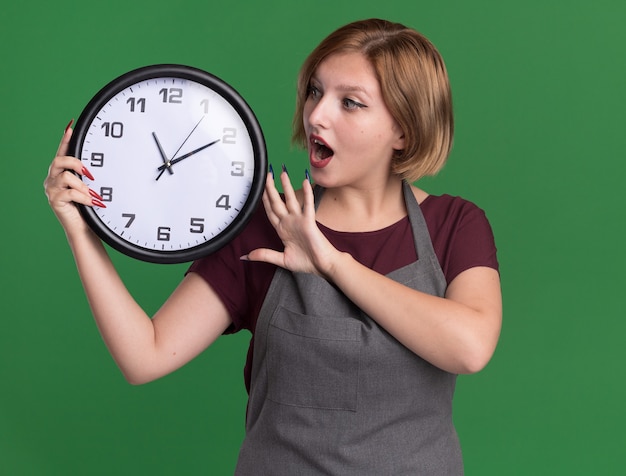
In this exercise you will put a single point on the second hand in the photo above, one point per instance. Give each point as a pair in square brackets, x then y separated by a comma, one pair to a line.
[169, 162]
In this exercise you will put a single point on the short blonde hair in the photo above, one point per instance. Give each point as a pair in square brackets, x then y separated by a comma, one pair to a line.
[414, 84]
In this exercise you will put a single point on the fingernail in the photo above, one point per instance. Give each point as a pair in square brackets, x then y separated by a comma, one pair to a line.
[306, 174]
[69, 125]
[87, 173]
[98, 203]
[285, 169]
[244, 258]
[272, 171]
[94, 194]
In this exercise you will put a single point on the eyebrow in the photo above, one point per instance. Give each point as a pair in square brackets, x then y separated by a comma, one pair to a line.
[345, 88]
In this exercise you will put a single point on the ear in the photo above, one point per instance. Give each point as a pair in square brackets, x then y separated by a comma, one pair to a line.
[400, 142]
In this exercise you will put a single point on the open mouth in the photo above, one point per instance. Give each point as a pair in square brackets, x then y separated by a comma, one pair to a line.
[320, 150]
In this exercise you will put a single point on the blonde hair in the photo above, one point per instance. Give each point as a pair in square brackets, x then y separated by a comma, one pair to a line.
[414, 84]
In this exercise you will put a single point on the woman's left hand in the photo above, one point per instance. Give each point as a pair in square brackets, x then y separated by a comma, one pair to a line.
[306, 249]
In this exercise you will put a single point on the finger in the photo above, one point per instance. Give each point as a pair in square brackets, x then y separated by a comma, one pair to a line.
[63, 163]
[271, 216]
[273, 198]
[291, 201]
[265, 255]
[68, 189]
[66, 181]
[65, 140]
[308, 206]
[78, 195]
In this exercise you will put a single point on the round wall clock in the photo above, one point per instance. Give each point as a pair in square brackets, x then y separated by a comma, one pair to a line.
[179, 159]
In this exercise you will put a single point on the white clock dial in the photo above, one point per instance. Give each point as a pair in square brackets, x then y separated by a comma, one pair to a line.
[175, 163]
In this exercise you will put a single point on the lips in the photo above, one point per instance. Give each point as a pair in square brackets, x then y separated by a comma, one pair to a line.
[320, 153]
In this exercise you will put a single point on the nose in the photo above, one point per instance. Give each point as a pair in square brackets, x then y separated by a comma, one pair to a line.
[317, 112]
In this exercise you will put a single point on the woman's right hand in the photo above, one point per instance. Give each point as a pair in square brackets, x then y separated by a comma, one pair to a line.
[64, 189]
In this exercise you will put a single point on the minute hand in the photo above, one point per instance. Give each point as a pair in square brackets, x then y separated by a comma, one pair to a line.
[189, 154]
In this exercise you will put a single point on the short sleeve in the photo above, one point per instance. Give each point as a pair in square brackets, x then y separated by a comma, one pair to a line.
[461, 234]
[241, 285]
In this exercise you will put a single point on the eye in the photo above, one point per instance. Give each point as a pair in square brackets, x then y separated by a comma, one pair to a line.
[313, 92]
[351, 104]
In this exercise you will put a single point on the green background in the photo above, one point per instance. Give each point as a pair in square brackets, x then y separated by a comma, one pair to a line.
[539, 100]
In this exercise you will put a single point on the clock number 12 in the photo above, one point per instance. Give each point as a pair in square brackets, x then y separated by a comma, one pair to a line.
[172, 95]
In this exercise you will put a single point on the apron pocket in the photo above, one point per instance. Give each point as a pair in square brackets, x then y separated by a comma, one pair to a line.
[313, 361]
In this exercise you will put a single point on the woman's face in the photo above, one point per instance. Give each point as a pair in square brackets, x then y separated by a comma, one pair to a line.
[351, 133]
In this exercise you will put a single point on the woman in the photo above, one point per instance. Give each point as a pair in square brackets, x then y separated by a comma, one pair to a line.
[365, 295]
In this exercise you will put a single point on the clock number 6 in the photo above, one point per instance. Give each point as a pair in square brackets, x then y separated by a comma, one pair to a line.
[163, 233]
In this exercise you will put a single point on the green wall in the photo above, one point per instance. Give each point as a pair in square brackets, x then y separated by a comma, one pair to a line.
[539, 98]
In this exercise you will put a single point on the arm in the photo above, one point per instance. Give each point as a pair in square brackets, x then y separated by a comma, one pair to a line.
[144, 348]
[457, 333]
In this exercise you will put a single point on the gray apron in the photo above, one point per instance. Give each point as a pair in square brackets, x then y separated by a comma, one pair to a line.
[333, 393]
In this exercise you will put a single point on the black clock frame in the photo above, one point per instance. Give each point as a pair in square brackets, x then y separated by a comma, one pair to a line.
[254, 131]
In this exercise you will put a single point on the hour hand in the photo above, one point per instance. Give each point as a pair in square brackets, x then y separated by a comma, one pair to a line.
[166, 162]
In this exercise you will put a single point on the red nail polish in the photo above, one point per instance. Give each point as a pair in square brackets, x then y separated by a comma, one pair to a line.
[69, 125]
[98, 203]
[94, 194]
[87, 174]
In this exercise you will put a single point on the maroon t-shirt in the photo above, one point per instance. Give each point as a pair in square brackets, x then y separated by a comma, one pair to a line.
[461, 235]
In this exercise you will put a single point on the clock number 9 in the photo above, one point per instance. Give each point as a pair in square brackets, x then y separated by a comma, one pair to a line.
[97, 159]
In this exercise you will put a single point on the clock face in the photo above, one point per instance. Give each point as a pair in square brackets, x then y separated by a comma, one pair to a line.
[178, 158]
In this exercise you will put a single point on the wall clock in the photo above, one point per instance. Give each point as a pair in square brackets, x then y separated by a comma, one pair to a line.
[179, 159]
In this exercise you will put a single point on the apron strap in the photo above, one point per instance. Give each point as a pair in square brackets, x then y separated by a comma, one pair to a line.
[421, 236]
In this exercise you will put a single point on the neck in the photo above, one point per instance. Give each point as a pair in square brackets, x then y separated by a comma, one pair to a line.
[350, 208]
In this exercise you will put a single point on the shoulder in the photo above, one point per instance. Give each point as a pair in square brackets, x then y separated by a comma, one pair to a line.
[444, 208]
[449, 209]
[461, 233]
